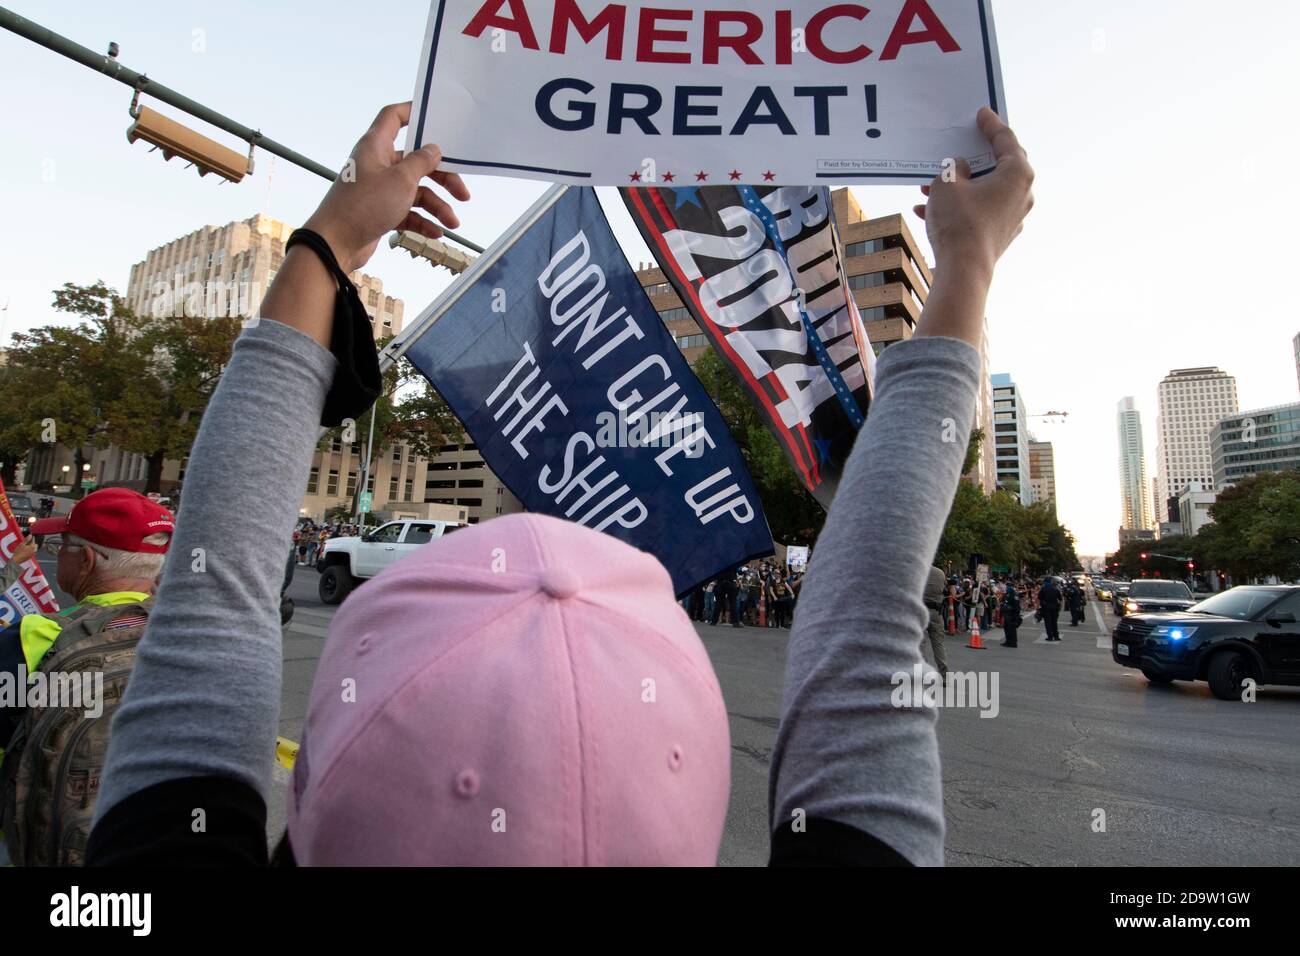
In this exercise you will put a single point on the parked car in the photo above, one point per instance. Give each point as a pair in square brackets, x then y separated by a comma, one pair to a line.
[1245, 633]
[1154, 596]
[346, 561]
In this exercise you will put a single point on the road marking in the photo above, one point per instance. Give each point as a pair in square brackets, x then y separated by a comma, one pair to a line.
[1103, 642]
[316, 613]
[1096, 612]
[309, 629]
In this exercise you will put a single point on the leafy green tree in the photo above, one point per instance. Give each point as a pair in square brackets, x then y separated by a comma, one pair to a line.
[170, 368]
[65, 376]
[1256, 529]
[963, 534]
[793, 515]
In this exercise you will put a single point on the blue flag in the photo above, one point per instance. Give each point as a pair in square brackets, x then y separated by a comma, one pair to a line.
[551, 354]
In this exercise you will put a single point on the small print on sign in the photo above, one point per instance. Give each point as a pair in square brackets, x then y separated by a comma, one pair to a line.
[618, 94]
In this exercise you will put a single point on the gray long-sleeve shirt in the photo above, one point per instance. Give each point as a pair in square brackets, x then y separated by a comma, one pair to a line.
[203, 701]
[204, 696]
[843, 751]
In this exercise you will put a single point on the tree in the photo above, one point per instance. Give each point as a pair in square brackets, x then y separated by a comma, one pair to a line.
[793, 515]
[15, 437]
[1256, 529]
[60, 380]
[170, 367]
[963, 532]
[1000, 530]
[973, 451]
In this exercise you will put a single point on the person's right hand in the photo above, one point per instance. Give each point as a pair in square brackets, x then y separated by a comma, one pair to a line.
[385, 193]
[971, 222]
[25, 551]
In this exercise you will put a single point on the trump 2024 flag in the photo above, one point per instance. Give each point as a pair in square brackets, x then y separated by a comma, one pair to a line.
[566, 378]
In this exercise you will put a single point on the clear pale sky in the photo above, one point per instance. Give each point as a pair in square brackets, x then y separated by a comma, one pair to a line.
[1163, 134]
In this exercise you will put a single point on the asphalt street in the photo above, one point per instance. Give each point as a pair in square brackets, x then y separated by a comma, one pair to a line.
[1183, 779]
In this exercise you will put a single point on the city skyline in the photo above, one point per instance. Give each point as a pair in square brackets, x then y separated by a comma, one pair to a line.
[1076, 331]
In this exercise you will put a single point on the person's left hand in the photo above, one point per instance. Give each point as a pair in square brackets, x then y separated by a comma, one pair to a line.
[382, 192]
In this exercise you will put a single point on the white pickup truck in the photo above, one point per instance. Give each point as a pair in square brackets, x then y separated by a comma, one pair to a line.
[344, 562]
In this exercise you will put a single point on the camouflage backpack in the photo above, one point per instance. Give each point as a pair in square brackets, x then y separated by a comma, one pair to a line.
[52, 766]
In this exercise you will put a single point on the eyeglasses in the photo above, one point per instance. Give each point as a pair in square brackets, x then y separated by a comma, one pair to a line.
[55, 543]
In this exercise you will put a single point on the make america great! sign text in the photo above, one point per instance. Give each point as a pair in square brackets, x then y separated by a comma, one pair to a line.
[716, 92]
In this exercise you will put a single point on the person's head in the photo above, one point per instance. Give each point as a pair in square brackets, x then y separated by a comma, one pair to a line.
[114, 539]
[526, 691]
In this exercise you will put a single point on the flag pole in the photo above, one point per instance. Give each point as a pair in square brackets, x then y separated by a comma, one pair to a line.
[403, 341]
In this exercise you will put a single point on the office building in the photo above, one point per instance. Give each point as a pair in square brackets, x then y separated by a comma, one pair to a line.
[1247, 443]
[1295, 345]
[1011, 438]
[1191, 401]
[1042, 473]
[985, 472]
[1194, 508]
[1135, 506]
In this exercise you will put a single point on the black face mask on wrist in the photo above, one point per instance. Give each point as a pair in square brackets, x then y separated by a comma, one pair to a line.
[357, 382]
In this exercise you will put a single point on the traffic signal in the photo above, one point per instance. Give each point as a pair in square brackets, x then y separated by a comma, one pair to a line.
[1144, 555]
[176, 139]
[439, 253]
[1191, 565]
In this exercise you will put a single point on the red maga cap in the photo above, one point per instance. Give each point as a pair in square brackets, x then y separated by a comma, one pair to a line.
[113, 518]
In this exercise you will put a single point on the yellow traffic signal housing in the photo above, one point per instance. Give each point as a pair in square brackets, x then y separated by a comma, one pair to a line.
[439, 253]
[174, 139]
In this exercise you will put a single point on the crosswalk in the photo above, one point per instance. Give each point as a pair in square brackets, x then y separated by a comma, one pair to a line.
[1095, 625]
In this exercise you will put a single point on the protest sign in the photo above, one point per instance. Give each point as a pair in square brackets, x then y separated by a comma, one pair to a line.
[760, 270]
[802, 92]
[552, 356]
[31, 592]
[796, 557]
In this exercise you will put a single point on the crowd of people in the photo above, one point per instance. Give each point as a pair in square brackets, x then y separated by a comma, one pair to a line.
[758, 594]
[309, 539]
[958, 603]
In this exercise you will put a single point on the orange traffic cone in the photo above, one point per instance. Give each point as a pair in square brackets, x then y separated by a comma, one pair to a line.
[975, 642]
[952, 617]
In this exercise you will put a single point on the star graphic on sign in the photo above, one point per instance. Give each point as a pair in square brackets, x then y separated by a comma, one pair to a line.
[668, 177]
[823, 449]
[687, 194]
[635, 177]
[769, 176]
[701, 176]
[735, 174]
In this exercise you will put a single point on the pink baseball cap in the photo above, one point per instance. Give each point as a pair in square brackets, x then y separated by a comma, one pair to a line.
[522, 692]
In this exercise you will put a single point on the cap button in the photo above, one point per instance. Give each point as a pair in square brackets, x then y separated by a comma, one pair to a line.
[559, 583]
